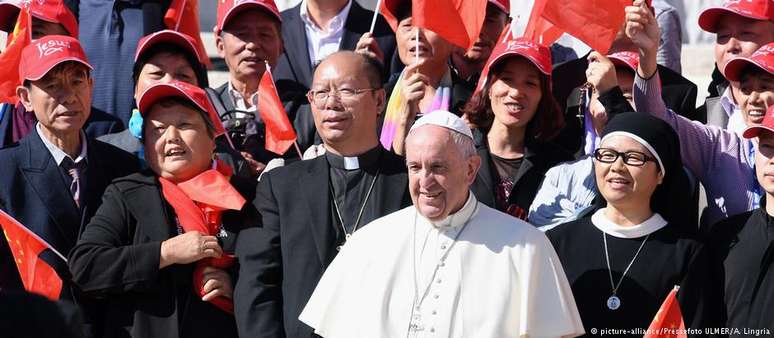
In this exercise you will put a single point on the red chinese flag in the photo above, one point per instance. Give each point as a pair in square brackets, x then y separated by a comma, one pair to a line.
[457, 21]
[668, 322]
[183, 16]
[11, 56]
[539, 29]
[26, 246]
[595, 22]
[280, 134]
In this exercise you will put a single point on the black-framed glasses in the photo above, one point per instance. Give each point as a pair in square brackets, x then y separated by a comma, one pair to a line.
[632, 158]
[318, 97]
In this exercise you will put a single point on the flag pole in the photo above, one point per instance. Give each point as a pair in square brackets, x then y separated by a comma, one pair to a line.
[416, 46]
[179, 19]
[376, 15]
[298, 150]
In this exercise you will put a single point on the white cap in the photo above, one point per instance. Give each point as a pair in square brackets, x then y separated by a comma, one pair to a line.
[443, 118]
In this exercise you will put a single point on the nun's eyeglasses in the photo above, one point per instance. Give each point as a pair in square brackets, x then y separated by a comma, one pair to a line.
[632, 158]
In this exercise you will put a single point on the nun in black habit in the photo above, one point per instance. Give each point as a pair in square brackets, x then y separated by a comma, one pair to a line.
[624, 259]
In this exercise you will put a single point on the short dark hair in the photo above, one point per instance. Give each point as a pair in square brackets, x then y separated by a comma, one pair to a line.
[175, 100]
[547, 122]
[164, 47]
[373, 68]
[403, 10]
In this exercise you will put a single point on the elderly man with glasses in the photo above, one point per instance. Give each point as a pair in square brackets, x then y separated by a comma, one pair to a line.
[310, 208]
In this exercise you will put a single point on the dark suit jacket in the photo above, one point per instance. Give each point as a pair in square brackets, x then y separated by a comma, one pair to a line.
[538, 158]
[33, 191]
[99, 123]
[282, 261]
[679, 93]
[294, 64]
[117, 258]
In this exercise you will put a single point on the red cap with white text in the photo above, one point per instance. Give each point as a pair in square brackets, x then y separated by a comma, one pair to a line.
[42, 55]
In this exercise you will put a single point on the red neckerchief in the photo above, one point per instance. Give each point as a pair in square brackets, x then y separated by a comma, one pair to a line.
[199, 204]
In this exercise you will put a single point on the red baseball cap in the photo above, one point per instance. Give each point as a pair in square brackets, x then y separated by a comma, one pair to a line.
[194, 94]
[47, 10]
[536, 53]
[763, 58]
[504, 5]
[43, 54]
[168, 36]
[626, 59]
[767, 124]
[753, 9]
[228, 8]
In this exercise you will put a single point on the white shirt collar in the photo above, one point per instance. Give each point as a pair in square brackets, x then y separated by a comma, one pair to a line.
[727, 102]
[58, 154]
[239, 100]
[335, 25]
[460, 217]
[604, 224]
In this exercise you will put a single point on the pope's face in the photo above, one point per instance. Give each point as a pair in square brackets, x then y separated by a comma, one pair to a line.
[439, 174]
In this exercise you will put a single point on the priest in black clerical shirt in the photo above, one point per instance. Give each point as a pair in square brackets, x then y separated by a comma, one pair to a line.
[743, 248]
[309, 208]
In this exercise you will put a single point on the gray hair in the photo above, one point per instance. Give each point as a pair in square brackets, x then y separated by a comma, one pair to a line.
[464, 144]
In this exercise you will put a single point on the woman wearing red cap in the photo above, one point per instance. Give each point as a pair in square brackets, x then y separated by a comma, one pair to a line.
[158, 247]
[515, 116]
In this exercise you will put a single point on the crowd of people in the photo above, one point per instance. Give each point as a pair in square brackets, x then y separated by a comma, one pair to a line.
[503, 190]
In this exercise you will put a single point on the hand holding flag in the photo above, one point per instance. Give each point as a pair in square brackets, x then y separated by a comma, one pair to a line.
[642, 29]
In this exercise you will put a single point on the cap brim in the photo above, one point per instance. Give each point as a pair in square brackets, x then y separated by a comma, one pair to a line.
[756, 131]
[157, 92]
[621, 62]
[168, 36]
[708, 18]
[244, 6]
[733, 69]
[531, 59]
[45, 68]
[8, 14]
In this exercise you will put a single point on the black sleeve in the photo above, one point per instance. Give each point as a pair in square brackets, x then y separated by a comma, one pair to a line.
[258, 291]
[700, 298]
[105, 260]
[614, 102]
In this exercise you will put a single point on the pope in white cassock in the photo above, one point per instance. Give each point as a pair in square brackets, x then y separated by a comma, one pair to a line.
[447, 266]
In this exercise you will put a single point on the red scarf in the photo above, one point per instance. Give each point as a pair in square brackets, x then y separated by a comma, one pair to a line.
[199, 204]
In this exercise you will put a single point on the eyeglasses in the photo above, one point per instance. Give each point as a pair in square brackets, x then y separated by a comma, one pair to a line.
[318, 97]
[632, 158]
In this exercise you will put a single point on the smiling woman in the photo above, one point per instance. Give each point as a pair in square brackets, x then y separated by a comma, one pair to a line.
[515, 116]
[169, 230]
[609, 257]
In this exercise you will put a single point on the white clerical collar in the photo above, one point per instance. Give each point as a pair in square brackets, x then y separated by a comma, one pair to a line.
[59, 154]
[460, 217]
[604, 224]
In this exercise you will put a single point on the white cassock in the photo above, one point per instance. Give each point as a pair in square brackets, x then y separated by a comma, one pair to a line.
[500, 278]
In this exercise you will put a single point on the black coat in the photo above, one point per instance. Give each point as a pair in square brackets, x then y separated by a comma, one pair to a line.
[538, 158]
[282, 261]
[742, 254]
[117, 259]
[679, 93]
